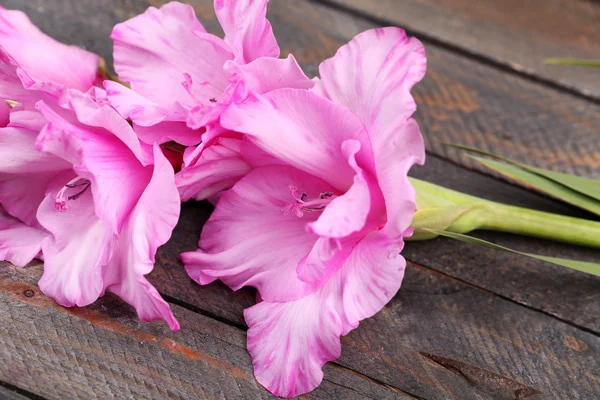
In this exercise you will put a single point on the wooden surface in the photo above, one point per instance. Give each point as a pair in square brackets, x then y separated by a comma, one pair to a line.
[467, 323]
[515, 34]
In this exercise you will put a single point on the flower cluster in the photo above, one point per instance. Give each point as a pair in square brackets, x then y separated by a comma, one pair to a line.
[308, 176]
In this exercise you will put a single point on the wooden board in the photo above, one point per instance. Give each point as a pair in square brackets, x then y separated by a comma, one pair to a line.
[515, 34]
[104, 352]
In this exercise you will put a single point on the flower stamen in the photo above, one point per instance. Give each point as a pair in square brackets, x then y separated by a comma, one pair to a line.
[303, 203]
[62, 196]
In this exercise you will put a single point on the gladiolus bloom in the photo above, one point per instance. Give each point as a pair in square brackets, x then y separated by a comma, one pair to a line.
[319, 230]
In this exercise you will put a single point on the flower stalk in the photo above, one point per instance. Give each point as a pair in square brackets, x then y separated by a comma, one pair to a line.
[440, 208]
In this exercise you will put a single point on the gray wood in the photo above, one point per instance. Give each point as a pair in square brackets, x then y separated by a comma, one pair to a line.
[516, 34]
[102, 351]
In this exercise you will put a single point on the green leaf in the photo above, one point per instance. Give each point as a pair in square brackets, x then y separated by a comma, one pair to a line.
[580, 62]
[583, 266]
[586, 186]
[543, 184]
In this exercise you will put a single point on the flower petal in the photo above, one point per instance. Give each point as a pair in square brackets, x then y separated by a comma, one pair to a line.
[167, 57]
[250, 241]
[267, 74]
[152, 122]
[247, 30]
[149, 226]
[4, 113]
[79, 246]
[97, 155]
[218, 168]
[43, 58]
[289, 342]
[372, 76]
[19, 243]
[340, 222]
[302, 129]
[25, 173]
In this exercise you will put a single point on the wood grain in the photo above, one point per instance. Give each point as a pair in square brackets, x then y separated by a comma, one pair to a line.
[101, 351]
[513, 33]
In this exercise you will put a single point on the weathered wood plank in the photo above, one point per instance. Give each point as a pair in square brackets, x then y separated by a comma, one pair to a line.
[564, 293]
[514, 33]
[8, 394]
[102, 351]
[438, 339]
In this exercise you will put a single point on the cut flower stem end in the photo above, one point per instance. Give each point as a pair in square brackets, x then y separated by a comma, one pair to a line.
[439, 208]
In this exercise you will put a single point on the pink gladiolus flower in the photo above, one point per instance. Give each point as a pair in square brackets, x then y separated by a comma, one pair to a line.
[75, 182]
[320, 236]
[108, 213]
[33, 67]
[182, 78]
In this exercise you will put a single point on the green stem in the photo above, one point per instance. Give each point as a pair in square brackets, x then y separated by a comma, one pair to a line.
[468, 213]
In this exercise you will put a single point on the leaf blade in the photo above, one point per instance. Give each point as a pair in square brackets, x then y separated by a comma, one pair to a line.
[579, 62]
[543, 184]
[582, 266]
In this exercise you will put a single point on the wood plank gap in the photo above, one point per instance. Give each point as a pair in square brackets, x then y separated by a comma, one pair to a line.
[376, 381]
[21, 392]
[426, 38]
[487, 291]
[198, 310]
[244, 328]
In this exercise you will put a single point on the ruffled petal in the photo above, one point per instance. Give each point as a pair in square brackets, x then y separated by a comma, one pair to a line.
[153, 123]
[344, 216]
[117, 176]
[347, 213]
[79, 246]
[372, 75]
[19, 243]
[250, 239]
[302, 129]
[25, 173]
[247, 30]
[218, 168]
[43, 58]
[4, 113]
[267, 74]
[148, 227]
[168, 58]
[289, 342]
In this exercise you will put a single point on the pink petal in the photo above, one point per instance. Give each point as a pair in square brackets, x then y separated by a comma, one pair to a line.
[289, 342]
[25, 173]
[19, 243]
[372, 76]
[153, 123]
[302, 129]
[344, 216]
[148, 227]
[218, 168]
[43, 58]
[267, 74]
[250, 240]
[347, 213]
[4, 113]
[168, 58]
[247, 30]
[117, 176]
[79, 246]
